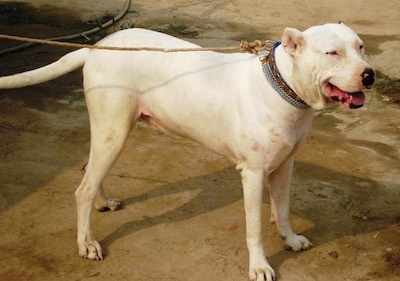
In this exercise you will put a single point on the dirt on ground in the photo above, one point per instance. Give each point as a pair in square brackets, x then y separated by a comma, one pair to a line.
[182, 216]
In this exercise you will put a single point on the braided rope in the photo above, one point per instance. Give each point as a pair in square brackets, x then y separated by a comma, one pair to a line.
[244, 46]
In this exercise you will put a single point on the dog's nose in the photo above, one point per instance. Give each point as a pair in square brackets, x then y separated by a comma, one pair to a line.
[368, 77]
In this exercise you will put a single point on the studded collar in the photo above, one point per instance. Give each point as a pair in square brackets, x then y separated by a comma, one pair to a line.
[275, 79]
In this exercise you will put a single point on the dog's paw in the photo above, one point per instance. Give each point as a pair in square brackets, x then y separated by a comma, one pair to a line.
[265, 273]
[297, 243]
[108, 203]
[91, 251]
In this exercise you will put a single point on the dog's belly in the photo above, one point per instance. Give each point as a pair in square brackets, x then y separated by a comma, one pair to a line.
[179, 124]
[241, 139]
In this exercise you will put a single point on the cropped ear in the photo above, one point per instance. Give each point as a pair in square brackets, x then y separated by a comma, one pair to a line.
[292, 40]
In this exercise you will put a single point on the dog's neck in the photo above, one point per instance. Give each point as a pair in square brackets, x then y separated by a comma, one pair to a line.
[278, 72]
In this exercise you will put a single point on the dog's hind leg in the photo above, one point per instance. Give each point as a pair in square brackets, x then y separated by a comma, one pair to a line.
[111, 117]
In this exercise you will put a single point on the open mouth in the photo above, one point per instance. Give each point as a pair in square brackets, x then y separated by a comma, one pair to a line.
[348, 100]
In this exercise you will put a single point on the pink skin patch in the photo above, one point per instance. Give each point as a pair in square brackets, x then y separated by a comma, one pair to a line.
[348, 100]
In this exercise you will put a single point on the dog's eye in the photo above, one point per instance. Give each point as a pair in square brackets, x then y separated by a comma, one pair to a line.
[332, 53]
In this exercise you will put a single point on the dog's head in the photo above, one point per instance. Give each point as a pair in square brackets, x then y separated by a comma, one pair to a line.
[328, 65]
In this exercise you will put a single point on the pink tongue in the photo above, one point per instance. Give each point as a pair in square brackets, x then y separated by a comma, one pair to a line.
[358, 98]
[349, 100]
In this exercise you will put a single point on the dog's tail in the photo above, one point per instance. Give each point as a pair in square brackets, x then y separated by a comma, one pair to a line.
[64, 65]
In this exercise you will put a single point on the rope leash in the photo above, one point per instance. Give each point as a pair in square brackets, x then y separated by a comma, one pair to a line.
[251, 47]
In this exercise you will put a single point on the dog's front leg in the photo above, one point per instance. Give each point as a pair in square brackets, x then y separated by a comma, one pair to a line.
[279, 186]
[253, 185]
[104, 203]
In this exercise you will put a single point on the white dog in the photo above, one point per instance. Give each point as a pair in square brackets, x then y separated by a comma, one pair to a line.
[256, 113]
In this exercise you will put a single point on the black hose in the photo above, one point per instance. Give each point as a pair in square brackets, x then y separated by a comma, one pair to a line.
[121, 14]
